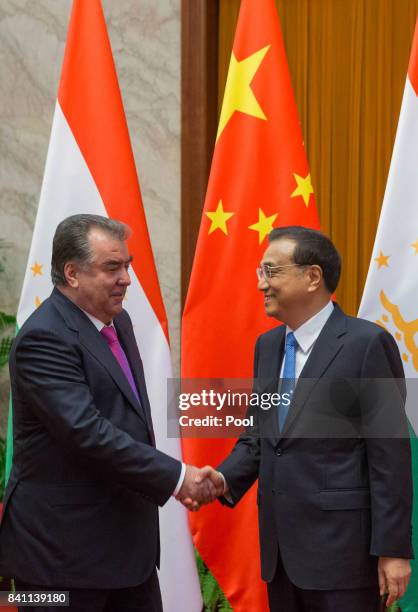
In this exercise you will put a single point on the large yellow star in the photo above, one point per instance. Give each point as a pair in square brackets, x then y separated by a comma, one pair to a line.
[238, 93]
[382, 260]
[219, 219]
[415, 245]
[263, 226]
[304, 188]
[37, 269]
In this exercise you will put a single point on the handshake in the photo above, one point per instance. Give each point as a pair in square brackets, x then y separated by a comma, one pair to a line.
[201, 486]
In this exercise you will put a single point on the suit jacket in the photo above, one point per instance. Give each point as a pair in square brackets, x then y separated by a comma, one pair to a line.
[335, 487]
[80, 508]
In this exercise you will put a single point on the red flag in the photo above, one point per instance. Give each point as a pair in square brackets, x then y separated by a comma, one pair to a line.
[259, 180]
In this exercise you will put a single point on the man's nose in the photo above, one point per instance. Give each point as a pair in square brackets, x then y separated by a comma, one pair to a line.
[262, 284]
[125, 279]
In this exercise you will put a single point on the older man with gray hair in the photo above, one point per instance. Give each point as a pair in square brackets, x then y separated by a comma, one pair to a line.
[81, 503]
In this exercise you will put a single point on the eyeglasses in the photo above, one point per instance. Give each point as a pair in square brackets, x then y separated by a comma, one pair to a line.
[266, 272]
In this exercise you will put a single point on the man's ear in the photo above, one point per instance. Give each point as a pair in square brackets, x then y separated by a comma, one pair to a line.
[315, 278]
[71, 274]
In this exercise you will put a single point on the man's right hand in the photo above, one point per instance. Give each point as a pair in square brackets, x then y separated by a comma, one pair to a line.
[200, 486]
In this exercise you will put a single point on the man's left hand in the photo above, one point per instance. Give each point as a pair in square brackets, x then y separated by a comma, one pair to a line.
[394, 575]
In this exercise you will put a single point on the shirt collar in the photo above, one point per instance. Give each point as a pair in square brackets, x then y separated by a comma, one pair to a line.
[99, 325]
[307, 333]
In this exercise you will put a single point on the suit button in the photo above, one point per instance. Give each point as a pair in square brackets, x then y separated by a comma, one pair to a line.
[279, 452]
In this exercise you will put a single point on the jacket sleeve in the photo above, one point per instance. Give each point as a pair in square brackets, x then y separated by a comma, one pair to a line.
[49, 378]
[241, 467]
[385, 431]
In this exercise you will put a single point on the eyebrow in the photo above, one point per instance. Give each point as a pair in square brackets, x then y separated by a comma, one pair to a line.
[114, 262]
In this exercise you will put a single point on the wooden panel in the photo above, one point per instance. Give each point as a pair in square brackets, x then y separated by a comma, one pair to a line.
[199, 94]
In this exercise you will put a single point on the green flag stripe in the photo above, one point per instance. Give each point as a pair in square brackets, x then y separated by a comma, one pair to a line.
[409, 603]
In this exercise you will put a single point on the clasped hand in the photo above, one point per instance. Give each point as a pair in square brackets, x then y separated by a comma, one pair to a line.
[200, 486]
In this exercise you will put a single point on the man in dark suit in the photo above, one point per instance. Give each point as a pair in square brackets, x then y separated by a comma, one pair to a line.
[80, 509]
[333, 463]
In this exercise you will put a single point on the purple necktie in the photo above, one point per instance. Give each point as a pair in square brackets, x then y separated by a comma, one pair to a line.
[111, 338]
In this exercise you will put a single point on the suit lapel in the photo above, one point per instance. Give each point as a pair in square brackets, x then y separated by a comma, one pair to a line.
[268, 383]
[132, 353]
[327, 346]
[92, 340]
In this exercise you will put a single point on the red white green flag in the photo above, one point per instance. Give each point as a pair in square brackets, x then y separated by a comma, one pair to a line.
[391, 292]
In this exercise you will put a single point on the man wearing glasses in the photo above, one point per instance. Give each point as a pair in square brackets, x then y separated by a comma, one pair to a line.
[334, 466]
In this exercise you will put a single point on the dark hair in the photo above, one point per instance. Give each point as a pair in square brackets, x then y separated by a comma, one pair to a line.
[312, 248]
[71, 241]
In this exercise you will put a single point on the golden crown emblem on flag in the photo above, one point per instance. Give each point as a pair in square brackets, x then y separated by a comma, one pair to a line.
[406, 328]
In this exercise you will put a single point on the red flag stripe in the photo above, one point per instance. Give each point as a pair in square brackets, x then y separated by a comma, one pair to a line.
[92, 114]
[413, 62]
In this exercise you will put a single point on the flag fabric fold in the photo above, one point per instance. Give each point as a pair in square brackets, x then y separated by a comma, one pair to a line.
[90, 168]
[259, 180]
[391, 291]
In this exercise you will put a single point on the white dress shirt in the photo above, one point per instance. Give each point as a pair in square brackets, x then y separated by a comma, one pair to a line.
[306, 336]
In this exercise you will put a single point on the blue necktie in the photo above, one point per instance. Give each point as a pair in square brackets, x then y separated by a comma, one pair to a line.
[289, 376]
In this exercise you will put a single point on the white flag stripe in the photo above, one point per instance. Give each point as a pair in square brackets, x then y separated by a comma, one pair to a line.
[68, 188]
[391, 291]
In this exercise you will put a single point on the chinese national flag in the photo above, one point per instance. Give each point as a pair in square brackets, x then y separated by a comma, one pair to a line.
[259, 180]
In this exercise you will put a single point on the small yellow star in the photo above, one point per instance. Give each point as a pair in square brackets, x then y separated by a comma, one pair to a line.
[415, 245]
[219, 219]
[263, 226]
[238, 93]
[38, 301]
[37, 269]
[382, 260]
[304, 188]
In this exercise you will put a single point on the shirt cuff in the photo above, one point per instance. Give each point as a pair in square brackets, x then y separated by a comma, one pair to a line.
[226, 495]
[180, 480]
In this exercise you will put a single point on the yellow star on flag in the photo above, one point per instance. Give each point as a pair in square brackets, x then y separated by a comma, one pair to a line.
[219, 219]
[415, 245]
[37, 269]
[263, 226]
[38, 301]
[382, 260]
[304, 188]
[238, 93]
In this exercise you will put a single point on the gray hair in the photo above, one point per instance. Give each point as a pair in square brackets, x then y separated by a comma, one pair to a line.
[71, 241]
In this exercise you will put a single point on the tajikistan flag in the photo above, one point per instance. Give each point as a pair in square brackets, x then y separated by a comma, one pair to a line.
[391, 293]
[90, 169]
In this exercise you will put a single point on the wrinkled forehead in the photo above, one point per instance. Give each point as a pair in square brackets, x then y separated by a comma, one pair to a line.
[279, 252]
[104, 245]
